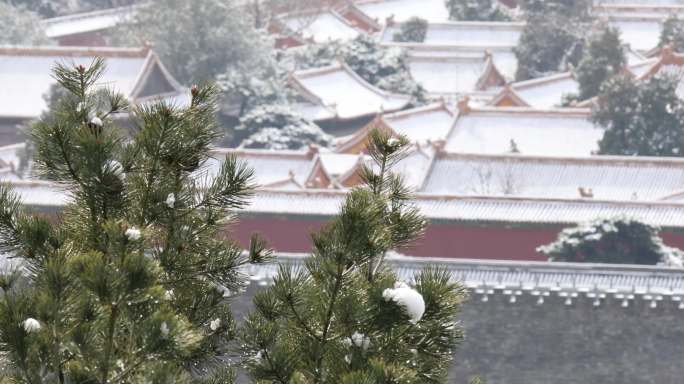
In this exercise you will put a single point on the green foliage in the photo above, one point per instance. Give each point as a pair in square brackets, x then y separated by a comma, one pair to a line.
[672, 34]
[413, 30]
[553, 37]
[279, 127]
[19, 26]
[385, 67]
[641, 119]
[480, 10]
[127, 284]
[198, 40]
[617, 241]
[343, 317]
[603, 58]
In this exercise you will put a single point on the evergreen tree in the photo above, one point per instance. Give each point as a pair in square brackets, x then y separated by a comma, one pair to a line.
[603, 58]
[19, 26]
[553, 37]
[480, 10]
[618, 241]
[344, 317]
[413, 30]
[672, 34]
[198, 40]
[128, 283]
[641, 119]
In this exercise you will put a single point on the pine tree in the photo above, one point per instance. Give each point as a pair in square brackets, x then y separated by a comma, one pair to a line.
[602, 59]
[128, 283]
[480, 10]
[344, 317]
[641, 118]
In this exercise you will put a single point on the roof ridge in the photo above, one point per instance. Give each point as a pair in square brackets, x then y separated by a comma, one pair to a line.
[599, 159]
[69, 51]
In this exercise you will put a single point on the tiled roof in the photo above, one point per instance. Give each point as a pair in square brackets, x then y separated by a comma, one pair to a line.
[402, 10]
[503, 57]
[272, 167]
[455, 75]
[319, 26]
[424, 124]
[604, 177]
[339, 89]
[25, 74]
[552, 132]
[87, 22]
[466, 33]
[481, 209]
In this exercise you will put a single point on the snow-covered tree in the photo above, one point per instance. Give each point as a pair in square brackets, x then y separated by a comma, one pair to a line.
[200, 39]
[247, 88]
[344, 316]
[672, 34]
[644, 118]
[553, 37]
[412, 30]
[618, 241]
[480, 10]
[20, 26]
[127, 284]
[279, 127]
[602, 59]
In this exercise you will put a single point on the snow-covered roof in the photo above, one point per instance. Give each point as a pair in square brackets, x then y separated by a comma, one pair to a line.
[289, 169]
[320, 26]
[26, 75]
[87, 22]
[577, 281]
[638, 8]
[546, 92]
[480, 209]
[504, 58]
[641, 33]
[601, 177]
[338, 89]
[466, 33]
[442, 75]
[434, 11]
[429, 123]
[551, 132]
[424, 124]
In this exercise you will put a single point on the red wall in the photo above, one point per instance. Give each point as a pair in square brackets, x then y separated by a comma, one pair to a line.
[458, 240]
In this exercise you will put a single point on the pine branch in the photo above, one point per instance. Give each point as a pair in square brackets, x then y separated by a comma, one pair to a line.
[10, 204]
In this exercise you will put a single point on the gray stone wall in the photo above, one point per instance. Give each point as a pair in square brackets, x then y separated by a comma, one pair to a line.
[526, 343]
